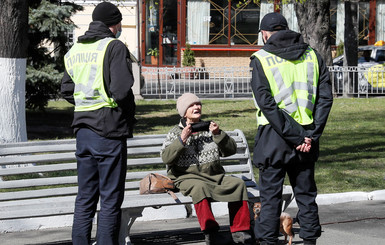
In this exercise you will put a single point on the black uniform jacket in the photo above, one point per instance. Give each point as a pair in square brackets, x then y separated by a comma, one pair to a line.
[118, 80]
[275, 143]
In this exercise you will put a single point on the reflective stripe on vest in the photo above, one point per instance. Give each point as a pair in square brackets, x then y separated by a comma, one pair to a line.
[84, 64]
[293, 84]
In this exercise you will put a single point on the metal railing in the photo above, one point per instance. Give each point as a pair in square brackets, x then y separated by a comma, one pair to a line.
[234, 82]
[358, 81]
[207, 82]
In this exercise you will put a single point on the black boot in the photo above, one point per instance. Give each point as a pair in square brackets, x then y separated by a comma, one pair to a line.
[242, 237]
[213, 237]
[309, 242]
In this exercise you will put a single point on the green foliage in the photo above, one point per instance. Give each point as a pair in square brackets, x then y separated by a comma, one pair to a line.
[49, 22]
[42, 84]
[340, 49]
[153, 52]
[242, 3]
[188, 56]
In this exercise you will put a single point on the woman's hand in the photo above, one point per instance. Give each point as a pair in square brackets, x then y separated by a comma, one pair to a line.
[186, 132]
[214, 128]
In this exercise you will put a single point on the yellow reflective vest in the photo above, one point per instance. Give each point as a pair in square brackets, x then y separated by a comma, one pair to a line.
[84, 64]
[293, 84]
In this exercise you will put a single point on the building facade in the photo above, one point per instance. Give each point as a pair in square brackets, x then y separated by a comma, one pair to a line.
[220, 32]
[130, 28]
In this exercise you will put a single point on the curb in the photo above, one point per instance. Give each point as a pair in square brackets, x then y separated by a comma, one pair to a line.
[334, 198]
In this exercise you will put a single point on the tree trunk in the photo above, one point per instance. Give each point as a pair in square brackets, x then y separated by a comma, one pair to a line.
[314, 21]
[350, 47]
[351, 34]
[13, 53]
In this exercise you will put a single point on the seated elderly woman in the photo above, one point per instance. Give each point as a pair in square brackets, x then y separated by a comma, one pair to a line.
[191, 151]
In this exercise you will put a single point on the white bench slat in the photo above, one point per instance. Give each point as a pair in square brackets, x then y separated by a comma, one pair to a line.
[42, 209]
[8, 205]
[38, 212]
[24, 183]
[236, 168]
[68, 145]
[43, 158]
[37, 149]
[38, 143]
[38, 169]
[144, 142]
[19, 195]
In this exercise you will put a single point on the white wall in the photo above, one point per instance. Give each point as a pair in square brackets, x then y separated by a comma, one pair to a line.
[129, 23]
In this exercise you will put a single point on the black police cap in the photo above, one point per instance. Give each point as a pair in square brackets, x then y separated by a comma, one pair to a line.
[273, 22]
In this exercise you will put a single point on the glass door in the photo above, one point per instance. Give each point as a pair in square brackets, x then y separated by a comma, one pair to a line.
[161, 33]
[151, 33]
[169, 32]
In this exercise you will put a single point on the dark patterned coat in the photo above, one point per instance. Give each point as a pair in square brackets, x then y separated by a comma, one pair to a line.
[196, 168]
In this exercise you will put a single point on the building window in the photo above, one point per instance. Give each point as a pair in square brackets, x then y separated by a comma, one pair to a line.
[244, 23]
[363, 23]
[211, 22]
[198, 22]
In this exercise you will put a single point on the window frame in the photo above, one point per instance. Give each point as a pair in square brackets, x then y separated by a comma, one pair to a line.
[227, 46]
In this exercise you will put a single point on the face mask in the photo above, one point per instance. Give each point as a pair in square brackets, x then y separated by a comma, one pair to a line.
[118, 34]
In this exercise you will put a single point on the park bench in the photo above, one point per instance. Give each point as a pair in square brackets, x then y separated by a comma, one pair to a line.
[39, 178]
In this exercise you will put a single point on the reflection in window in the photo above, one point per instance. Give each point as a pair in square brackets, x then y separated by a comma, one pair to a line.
[208, 22]
[363, 23]
[170, 32]
[152, 32]
[219, 22]
[244, 23]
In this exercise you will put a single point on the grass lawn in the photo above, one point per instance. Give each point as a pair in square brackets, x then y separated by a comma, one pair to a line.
[352, 147]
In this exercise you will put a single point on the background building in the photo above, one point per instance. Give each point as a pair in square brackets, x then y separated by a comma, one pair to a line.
[129, 12]
[221, 33]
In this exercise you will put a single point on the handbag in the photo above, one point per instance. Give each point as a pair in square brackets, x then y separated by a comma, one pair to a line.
[156, 183]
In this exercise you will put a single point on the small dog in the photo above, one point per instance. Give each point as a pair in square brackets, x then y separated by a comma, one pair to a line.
[286, 226]
[256, 209]
[286, 222]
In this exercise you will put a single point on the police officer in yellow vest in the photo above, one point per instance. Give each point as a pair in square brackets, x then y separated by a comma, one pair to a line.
[98, 80]
[293, 97]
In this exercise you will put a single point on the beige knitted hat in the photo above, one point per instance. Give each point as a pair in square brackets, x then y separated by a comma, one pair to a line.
[184, 102]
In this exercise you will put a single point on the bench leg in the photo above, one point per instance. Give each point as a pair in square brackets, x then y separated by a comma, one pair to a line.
[128, 218]
[286, 199]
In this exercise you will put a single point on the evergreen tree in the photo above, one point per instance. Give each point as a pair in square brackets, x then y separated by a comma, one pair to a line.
[188, 56]
[49, 23]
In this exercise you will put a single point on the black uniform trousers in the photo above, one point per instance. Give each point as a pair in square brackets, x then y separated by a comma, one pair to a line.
[271, 179]
[101, 166]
